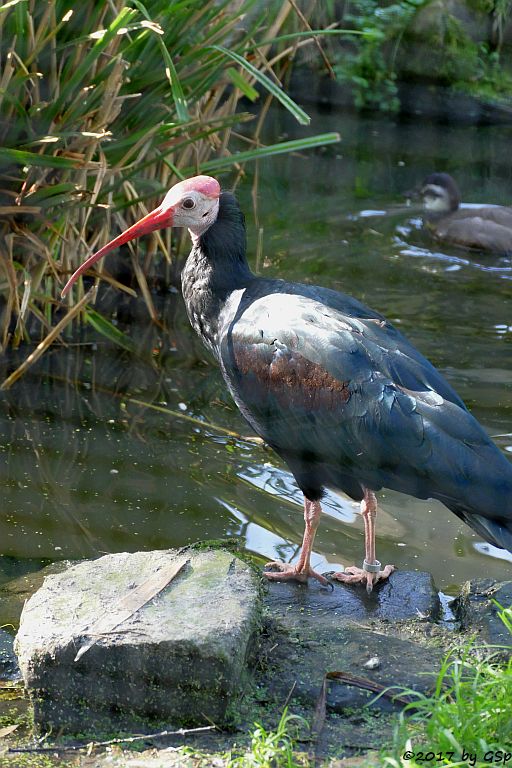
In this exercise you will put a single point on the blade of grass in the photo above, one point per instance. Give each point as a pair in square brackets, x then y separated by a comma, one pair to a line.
[16, 210]
[241, 83]
[80, 75]
[294, 109]
[10, 4]
[313, 32]
[295, 145]
[170, 71]
[108, 330]
[186, 417]
[146, 293]
[22, 157]
[13, 303]
[314, 37]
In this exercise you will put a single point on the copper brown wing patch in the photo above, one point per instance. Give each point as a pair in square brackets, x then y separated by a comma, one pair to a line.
[293, 379]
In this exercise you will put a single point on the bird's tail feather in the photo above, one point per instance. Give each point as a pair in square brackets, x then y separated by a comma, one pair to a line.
[496, 532]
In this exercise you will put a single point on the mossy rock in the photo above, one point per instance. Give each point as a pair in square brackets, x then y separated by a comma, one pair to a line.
[180, 658]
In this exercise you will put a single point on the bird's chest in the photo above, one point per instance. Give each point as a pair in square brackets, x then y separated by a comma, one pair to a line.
[203, 323]
[201, 306]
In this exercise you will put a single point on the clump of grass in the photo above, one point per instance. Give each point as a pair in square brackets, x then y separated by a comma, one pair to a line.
[468, 714]
[104, 106]
[270, 749]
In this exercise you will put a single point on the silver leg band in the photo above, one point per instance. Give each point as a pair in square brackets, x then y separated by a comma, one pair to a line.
[372, 567]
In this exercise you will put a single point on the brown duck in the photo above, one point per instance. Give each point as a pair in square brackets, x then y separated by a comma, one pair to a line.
[484, 228]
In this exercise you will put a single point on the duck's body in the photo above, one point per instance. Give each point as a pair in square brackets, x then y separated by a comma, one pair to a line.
[484, 228]
[330, 385]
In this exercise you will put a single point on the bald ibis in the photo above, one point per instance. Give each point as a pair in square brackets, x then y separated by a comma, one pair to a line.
[329, 384]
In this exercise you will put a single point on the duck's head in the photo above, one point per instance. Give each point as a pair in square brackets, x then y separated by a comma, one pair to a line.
[440, 193]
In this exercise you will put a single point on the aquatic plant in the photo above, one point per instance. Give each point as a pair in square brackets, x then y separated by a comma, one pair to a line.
[104, 106]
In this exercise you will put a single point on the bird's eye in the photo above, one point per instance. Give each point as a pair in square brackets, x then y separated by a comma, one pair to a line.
[188, 203]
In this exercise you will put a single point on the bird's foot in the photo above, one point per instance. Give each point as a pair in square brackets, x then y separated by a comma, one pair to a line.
[369, 574]
[288, 572]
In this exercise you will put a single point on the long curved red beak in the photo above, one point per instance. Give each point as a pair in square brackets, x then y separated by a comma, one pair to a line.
[157, 219]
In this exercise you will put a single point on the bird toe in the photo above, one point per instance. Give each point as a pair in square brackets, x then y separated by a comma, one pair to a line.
[286, 572]
[355, 575]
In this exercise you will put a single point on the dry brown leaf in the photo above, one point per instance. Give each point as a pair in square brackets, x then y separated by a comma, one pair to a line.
[7, 730]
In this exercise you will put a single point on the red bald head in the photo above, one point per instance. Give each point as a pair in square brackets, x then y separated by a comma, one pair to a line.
[192, 203]
[206, 185]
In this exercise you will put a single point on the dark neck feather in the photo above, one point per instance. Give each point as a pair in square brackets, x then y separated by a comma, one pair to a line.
[224, 243]
[216, 267]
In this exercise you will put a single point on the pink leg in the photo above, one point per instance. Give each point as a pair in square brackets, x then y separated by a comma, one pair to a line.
[302, 570]
[371, 571]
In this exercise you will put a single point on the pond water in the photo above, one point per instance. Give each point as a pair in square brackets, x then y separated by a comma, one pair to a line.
[85, 470]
